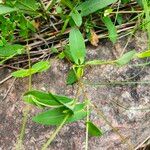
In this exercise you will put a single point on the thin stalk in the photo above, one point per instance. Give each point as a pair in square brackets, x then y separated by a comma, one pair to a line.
[126, 108]
[87, 126]
[116, 83]
[117, 12]
[147, 18]
[5, 79]
[125, 12]
[87, 101]
[43, 5]
[50, 4]
[27, 108]
[25, 118]
[30, 76]
[54, 134]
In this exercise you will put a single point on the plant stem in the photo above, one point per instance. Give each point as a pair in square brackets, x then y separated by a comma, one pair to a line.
[147, 18]
[54, 134]
[126, 12]
[27, 108]
[87, 126]
[50, 4]
[30, 76]
[42, 4]
[87, 101]
[113, 83]
[25, 118]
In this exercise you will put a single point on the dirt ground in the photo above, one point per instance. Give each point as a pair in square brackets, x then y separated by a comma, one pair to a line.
[126, 106]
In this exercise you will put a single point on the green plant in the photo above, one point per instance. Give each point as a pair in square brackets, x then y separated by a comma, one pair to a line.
[58, 110]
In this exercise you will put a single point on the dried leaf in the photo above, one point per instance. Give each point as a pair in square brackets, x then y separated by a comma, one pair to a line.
[94, 38]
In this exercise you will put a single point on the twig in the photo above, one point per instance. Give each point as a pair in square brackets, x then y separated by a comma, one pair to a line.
[87, 125]
[27, 108]
[4, 80]
[54, 134]
[9, 88]
[138, 146]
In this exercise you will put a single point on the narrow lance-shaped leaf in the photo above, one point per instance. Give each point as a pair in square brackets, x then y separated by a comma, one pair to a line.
[47, 99]
[67, 53]
[23, 73]
[27, 5]
[90, 6]
[76, 16]
[38, 67]
[6, 9]
[93, 129]
[41, 66]
[61, 101]
[11, 50]
[112, 31]
[51, 117]
[68, 3]
[71, 78]
[79, 113]
[77, 46]
[56, 116]
[126, 58]
[144, 54]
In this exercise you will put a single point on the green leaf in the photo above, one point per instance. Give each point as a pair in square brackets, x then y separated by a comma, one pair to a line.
[47, 99]
[67, 53]
[79, 72]
[91, 6]
[79, 113]
[71, 78]
[93, 129]
[58, 9]
[95, 62]
[51, 117]
[29, 6]
[40, 98]
[68, 3]
[76, 16]
[77, 46]
[123, 60]
[23, 73]
[61, 55]
[6, 9]
[119, 19]
[144, 54]
[56, 116]
[30, 99]
[38, 67]
[11, 50]
[107, 12]
[140, 2]
[112, 31]
[125, 1]
[69, 105]
[54, 50]
[41, 66]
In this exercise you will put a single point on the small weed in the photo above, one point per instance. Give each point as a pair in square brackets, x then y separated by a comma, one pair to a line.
[20, 19]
